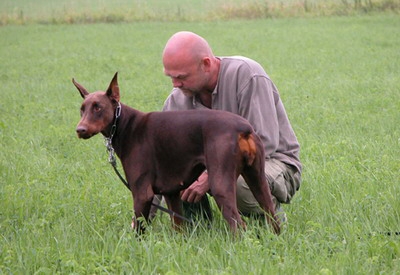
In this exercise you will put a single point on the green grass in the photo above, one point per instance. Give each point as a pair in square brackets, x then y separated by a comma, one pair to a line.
[64, 211]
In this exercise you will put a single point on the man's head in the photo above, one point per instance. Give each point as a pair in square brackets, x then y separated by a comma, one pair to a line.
[189, 61]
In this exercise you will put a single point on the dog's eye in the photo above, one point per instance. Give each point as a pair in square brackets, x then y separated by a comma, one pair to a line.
[96, 107]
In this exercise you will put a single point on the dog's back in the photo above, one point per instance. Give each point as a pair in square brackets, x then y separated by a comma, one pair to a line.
[191, 132]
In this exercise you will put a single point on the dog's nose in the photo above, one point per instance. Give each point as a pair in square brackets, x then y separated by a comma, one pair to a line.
[81, 130]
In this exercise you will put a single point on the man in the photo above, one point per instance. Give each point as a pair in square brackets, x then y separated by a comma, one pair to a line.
[241, 86]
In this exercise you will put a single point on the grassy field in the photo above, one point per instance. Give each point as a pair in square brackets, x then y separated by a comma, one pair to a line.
[62, 209]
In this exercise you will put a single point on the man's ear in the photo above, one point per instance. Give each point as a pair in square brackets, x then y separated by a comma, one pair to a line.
[206, 64]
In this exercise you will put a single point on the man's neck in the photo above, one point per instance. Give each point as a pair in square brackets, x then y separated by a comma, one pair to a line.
[206, 96]
[205, 99]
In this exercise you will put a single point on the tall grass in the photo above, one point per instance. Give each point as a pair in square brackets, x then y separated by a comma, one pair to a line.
[64, 211]
[96, 11]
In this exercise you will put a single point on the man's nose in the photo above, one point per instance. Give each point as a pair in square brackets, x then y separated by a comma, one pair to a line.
[176, 83]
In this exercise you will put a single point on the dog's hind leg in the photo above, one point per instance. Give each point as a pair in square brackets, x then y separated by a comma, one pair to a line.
[224, 194]
[255, 179]
[260, 189]
[252, 154]
[222, 180]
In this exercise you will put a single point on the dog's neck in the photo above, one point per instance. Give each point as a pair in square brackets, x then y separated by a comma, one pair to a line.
[109, 137]
[125, 122]
[109, 133]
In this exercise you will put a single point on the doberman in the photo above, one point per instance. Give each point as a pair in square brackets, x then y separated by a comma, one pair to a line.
[165, 152]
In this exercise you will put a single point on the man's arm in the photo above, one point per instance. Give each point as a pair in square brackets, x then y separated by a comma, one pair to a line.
[257, 103]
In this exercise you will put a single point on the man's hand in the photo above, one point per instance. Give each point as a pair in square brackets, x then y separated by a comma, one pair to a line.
[197, 190]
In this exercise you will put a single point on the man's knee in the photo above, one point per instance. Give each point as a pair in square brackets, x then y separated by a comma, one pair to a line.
[284, 181]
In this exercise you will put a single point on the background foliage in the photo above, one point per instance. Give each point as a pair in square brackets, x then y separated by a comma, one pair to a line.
[92, 11]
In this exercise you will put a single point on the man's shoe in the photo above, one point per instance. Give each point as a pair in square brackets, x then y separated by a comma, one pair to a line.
[280, 213]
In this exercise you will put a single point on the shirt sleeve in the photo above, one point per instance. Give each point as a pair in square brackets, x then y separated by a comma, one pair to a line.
[257, 101]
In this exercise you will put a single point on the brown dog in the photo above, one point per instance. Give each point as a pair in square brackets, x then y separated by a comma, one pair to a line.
[165, 152]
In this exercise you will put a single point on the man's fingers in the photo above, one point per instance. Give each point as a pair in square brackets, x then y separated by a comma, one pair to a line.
[184, 194]
[190, 195]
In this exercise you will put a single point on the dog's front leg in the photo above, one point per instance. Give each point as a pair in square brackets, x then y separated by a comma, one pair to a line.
[141, 214]
[174, 203]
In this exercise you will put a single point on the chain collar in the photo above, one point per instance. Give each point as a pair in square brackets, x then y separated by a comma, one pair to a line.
[108, 140]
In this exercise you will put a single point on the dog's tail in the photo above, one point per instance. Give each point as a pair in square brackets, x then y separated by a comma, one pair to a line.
[247, 147]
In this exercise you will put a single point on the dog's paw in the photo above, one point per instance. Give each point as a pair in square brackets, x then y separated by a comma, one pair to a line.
[133, 224]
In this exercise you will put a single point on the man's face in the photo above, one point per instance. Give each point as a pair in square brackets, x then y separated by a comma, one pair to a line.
[189, 76]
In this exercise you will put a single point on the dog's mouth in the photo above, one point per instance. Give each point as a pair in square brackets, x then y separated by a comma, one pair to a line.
[84, 136]
[83, 133]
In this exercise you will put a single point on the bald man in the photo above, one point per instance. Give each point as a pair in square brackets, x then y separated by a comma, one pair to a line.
[239, 85]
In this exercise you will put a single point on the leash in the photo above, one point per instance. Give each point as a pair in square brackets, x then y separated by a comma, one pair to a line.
[113, 161]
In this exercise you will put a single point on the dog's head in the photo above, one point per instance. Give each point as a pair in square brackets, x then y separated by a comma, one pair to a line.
[97, 110]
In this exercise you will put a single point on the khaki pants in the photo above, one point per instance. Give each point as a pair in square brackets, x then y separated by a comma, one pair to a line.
[283, 181]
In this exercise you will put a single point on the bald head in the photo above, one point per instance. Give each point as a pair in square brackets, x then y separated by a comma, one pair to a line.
[189, 61]
[186, 46]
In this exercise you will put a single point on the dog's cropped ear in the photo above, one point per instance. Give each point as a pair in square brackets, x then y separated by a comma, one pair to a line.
[113, 89]
[80, 88]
